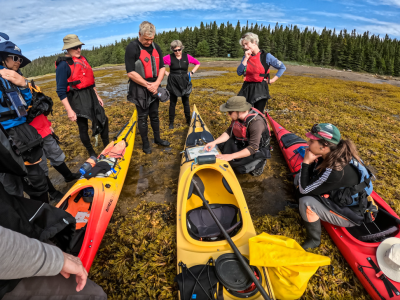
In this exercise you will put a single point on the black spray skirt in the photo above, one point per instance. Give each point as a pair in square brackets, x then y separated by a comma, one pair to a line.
[85, 104]
[179, 84]
[254, 91]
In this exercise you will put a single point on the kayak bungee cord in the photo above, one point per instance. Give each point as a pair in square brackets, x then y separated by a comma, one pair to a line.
[360, 268]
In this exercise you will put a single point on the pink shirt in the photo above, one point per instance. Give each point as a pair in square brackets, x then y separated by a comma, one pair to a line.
[191, 59]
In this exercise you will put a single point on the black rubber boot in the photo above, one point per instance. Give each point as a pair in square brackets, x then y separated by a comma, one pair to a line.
[313, 230]
[159, 141]
[53, 193]
[258, 171]
[66, 173]
[146, 146]
[188, 120]
[171, 125]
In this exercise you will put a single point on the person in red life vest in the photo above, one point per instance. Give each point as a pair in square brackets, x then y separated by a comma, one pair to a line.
[245, 144]
[77, 92]
[42, 106]
[255, 68]
[145, 68]
[179, 84]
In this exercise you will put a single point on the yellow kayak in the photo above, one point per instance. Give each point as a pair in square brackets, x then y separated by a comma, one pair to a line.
[93, 211]
[198, 238]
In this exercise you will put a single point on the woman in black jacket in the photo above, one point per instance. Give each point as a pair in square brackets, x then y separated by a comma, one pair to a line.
[330, 165]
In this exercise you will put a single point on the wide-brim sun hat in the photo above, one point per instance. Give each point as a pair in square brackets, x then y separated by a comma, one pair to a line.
[388, 257]
[71, 41]
[9, 48]
[235, 103]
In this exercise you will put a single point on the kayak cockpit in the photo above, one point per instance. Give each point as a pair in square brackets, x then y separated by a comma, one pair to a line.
[79, 205]
[382, 228]
[217, 191]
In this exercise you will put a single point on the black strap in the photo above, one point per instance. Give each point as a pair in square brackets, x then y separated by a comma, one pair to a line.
[360, 268]
[76, 82]
[389, 286]
[220, 291]
[8, 115]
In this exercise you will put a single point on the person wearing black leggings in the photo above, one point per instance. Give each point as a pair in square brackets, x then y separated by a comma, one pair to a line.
[179, 84]
[77, 92]
[255, 69]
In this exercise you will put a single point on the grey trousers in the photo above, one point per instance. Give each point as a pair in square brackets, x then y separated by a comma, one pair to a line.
[311, 210]
[54, 288]
[52, 152]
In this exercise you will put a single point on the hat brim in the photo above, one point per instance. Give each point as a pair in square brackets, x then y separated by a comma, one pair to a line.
[223, 108]
[380, 253]
[25, 59]
[311, 136]
[72, 45]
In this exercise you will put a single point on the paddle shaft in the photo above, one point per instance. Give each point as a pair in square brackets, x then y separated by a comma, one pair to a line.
[130, 129]
[122, 129]
[233, 246]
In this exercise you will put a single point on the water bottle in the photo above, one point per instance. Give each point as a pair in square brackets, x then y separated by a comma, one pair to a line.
[88, 165]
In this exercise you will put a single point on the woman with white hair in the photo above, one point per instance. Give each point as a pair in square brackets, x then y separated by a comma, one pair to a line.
[179, 84]
[255, 68]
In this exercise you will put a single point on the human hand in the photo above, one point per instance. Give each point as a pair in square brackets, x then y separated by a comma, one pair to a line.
[247, 54]
[71, 115]
[100, 100]
[227, 157]
[152, 87]
[13, 77]
[51, 128]
[73, 265]
[166, 73]
[208, 147]
[310, 157]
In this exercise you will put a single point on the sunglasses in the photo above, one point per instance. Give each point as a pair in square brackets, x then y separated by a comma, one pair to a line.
[16, 58]
[177, 50]
[76, 48]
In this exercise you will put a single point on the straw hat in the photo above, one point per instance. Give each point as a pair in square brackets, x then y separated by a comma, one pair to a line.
[71, 41]
[388, 257]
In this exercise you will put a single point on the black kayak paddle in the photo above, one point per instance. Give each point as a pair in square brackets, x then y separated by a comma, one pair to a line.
[199, 191]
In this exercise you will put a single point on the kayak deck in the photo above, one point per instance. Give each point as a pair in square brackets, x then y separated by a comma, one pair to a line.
[94, 213]
[352, 242]
[222, 189]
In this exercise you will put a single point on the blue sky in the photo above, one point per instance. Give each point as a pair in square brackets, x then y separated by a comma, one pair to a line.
[38, 26]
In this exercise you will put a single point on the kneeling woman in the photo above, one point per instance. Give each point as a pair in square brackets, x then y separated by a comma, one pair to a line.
[333, 184]
[77, 92]
[245, 144]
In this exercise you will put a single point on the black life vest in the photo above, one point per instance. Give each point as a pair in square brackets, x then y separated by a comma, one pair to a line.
[148, 65]
[240, 132]
[179, 66]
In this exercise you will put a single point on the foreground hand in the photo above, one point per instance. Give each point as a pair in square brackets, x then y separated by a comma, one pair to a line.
[72, 115]
[310, 157]
[227, 157]
[152, 87]
[13, 77]
[247, 54]
[73, 265]
[208, 147]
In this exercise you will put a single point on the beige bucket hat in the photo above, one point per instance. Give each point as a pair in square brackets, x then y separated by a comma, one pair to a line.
[71, 41]
[388, 257]
[235, 103]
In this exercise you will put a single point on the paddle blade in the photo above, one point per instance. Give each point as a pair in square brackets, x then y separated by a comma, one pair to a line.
[198, 186]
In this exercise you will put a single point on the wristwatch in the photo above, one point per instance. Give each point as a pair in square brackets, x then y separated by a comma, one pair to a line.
[26, 84]
[191, 72]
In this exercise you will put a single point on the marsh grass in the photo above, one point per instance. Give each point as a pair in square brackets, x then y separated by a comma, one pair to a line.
[137, 257]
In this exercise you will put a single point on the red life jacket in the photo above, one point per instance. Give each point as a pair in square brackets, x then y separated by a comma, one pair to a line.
[148, 65]
[81, 73]
[239, 129]
[257, 68]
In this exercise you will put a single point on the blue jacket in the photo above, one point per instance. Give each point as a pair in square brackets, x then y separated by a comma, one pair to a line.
[27, 95]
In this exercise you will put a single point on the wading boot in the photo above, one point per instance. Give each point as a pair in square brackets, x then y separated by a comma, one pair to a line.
[313, 230]
[159, 141]
[155, 125]
[53, 193]
[258, 171]
[66, 173]
[171, 125]
[146, 146]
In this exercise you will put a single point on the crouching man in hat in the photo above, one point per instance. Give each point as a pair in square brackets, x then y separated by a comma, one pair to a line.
[145, 68]
[245, 144]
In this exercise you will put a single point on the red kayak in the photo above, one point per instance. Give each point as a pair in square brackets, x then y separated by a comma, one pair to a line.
[357, 244]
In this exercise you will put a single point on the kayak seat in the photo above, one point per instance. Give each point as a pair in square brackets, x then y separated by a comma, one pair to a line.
[201, 225]
[290, 139]
[379, 236]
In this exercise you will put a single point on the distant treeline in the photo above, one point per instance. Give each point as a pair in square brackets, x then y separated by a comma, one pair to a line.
[357, 52]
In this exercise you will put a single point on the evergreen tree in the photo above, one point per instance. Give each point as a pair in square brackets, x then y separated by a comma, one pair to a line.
[396, 68]
[203, 49]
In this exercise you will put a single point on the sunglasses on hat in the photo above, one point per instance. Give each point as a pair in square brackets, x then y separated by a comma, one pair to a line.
[176, 50]
[76, 47]
[16, 58]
